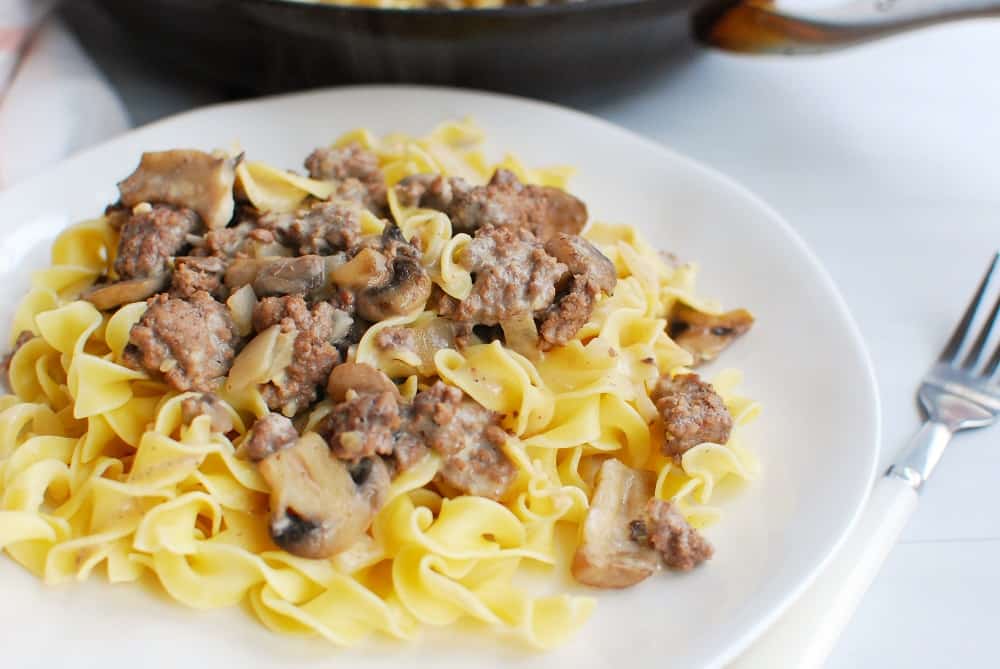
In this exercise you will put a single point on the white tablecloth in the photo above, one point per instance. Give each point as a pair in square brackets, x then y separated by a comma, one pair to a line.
[887, 160]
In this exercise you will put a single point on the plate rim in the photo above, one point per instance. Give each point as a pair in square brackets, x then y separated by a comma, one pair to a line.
[856, 340]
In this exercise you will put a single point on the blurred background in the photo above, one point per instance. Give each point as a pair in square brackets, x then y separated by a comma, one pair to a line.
[884, 156]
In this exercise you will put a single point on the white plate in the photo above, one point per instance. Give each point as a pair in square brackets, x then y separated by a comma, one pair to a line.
[817, 438]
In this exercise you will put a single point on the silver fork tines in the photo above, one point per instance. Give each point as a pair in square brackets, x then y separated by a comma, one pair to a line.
[958, 392]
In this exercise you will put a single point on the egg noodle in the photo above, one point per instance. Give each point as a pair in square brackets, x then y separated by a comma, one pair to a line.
[98, 469]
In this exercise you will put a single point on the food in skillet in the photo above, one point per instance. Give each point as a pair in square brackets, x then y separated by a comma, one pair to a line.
[362, 399]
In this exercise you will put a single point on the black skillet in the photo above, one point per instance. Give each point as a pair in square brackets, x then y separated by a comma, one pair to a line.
[274, 45]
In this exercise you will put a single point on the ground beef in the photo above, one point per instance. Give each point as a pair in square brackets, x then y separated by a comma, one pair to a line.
[592, 273]
[692, 413]
[680, 546]
[150, 237]
[357, 171]
[468, 436]
[362, 426]
[544, 210]
[191, 342]
[207, 404]
[513, 275]
[317, 330]
[396, 339]
[235, 241]
[22, 338]
[192, 274]
[322, 228]
[269, 434]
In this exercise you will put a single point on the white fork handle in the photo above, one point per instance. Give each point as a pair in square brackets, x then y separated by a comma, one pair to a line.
[806, 633]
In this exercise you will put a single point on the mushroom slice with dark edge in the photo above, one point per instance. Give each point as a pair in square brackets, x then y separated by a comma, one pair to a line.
[277, 275]
[113, 295]
[321, 506]
[406, 284]
[705, 335]
[184, 178]
[607, 556]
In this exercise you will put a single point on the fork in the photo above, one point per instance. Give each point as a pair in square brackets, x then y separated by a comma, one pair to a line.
[960, 391]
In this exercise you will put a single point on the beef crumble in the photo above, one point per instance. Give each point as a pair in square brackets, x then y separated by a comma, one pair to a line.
[505, 201]
[662, 527]
[355, 169]
[317, 329]
[374, 421]
[513, 276]
[149, 237]
[191, 342]
[320, 228]
[269, 434]
[193, 274]
[692, 413]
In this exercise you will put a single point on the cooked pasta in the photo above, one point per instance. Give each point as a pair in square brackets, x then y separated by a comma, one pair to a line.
[113, 458]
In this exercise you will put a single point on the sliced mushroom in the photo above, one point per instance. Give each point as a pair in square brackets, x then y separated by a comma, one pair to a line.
[321, 506]
[278, 275]
[608, 556]
[207, 404]
[184, 178]
[705, 335]
[405, 292]
[112, 295]
[365, 270]
[360, 378]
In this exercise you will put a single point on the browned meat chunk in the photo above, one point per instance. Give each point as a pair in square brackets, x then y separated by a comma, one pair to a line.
[184, 178]
[207, 404]
[607, 556]
[468, 436]
[150, 237]
[322, 228]
[269, 434]
[314, 354]
[192, 274]
[680, 546]
[320, 505]
[513, 276]
[692, 413]
[351, 166]
[22, 338]
[592, 273]
[191, 342]
[704, 335]
[362, 425]
[544, 210]
[430, 191]
[237, 241]
[370, 418]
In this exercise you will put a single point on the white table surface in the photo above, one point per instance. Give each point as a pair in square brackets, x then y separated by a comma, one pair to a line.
[887, 160]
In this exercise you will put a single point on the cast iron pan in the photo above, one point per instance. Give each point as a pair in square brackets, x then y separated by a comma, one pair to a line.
[275, 45]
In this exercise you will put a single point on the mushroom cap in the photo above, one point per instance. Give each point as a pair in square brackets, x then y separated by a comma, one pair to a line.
[359, 377]
[321, 506]
[407, 291]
